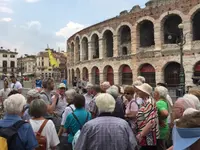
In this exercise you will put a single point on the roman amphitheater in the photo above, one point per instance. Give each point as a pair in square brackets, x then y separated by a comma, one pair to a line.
[142, 41]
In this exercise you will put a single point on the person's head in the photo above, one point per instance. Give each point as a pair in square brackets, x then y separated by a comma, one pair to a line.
[141, 79]
[162, 84]
[32, 94]
[137, 83]
[70, 95]
[14, 104]
[105, 103]
[195, 91]
[192, 99]
[104, 86]
[48, 84]
[89, 88]
[38, 108]
[13, 92]
[129, 93]
[79, 101]
[62, 88]
[160, 92]
[13, 79]
[114, 91]
[144, 91]
[96, 89]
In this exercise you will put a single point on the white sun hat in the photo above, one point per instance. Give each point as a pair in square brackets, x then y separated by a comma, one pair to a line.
[146, 88]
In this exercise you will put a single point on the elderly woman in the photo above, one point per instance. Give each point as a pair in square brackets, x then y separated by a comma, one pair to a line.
[119, 109]
[77, 118]
[31, 95]
[131, 107]
[13, 107]
[106, 132]
[147, 119]
[104, 86]
[164, 109]
[38, 108]
[69, 109]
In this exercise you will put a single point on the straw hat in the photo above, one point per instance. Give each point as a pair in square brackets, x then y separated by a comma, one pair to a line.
[146, 88]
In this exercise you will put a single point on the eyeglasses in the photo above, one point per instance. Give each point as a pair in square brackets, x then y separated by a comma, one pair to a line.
[127, 93]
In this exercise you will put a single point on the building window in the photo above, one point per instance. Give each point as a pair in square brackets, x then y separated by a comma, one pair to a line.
[4, 63]
[4, 55]
[42, 64]
[12, 56]
[12, 64]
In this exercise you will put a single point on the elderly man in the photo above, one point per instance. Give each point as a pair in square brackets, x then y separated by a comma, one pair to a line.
[106, 132]
[31, 95]
[88, 96]
[15, 85]
[26, 139]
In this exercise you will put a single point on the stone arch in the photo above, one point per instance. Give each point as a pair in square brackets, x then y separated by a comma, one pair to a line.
[108, 74]
[78, 73]
[171, 73]
[124, 24]
[124, 39]
[84, 44]
[145, 33]
[95, 75]
[95, 45]
[193, 10]
[94, 32]
[171, 18]
[85, 74]
[108, 45]
[77, 48]
[125, 75]
[105, 29]
[195, 25]
[148, 71]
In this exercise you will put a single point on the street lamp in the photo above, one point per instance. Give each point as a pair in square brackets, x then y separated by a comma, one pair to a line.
[181, 43]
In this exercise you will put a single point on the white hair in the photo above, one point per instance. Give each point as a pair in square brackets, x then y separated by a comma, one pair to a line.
[185, 103]
[137, 83]
[194, 99]
[189, 111]
[70, 93]
[106, 84]
[162, 91]
[105, 103]
[141, 78]
[113, 90]
[14, 104]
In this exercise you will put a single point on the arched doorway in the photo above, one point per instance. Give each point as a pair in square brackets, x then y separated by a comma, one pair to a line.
[146, 29]
[85, 48]
[171, 31]
[196, 25]
[78, 73]
[108, 43]
[109, 74]
[196, 73]
[124, 40]
[72, 52]
[126, 75]
[85, 74]
[77, 49]
[95, 46]
[148, 72]
[172, 74]
[95, 75]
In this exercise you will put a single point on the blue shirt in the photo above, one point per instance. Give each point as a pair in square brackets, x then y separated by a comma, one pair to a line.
[72, 125]
[25, 132]
[65, 82]
[38, 83]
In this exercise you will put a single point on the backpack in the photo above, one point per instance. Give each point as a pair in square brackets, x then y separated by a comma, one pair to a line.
[42, 141]
[77, 134]
[9, 135]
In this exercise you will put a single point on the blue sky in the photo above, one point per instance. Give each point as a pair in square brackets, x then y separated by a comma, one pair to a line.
[29, 25]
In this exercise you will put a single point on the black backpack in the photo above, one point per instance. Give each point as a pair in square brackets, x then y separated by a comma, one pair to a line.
[9, 135]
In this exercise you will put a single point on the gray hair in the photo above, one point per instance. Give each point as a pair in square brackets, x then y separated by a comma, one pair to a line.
[141, 78]
[14, 104]
[137, 83]
[105, 103]
[38, 108]
[113, 90]
[162, 91]
[33, 93]
[70, 94]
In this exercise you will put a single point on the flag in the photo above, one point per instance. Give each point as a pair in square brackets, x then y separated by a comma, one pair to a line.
[52, 60]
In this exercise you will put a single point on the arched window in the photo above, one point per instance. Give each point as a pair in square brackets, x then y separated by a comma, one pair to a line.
[85, 48]
[108, 74]
[95, 46]
[124, 51]
[108, 43]
[127, 76]
[85, 74]
[172, 74]
[78, 73]
[148, 72]
[196, 26]
[95, 75]
[77, 49]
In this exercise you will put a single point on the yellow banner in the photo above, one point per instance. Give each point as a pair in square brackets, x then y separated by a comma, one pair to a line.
[52, 60]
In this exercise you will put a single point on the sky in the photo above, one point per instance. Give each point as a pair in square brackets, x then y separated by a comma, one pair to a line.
[29, 25]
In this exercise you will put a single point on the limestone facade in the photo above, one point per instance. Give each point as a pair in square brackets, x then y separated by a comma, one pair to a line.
[90, 49]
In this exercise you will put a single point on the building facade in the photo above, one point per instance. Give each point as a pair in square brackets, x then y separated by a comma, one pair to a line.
[8, 62]
[140, 42]
[44, 68]
[27, 65]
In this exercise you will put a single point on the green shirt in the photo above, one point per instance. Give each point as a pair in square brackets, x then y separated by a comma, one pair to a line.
[163, 125]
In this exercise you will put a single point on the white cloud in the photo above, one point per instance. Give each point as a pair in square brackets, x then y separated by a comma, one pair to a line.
[32, 25]
[5, 9]
[6, 19]
[70, 29]
[32, 1]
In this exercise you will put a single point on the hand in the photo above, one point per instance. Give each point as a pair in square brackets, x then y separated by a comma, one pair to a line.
[139, 137]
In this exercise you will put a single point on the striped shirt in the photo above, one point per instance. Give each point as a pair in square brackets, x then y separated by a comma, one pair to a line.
[148, 113]
[106, 133]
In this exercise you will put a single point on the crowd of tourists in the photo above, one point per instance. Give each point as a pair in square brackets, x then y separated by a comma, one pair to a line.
[98, 117]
